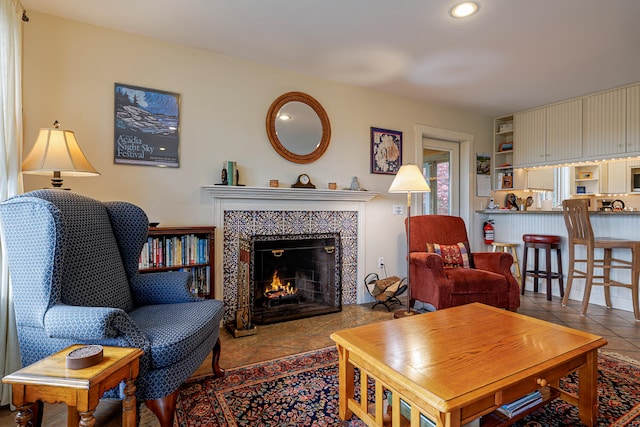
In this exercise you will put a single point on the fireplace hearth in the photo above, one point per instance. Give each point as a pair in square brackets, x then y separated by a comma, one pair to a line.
[294, 276]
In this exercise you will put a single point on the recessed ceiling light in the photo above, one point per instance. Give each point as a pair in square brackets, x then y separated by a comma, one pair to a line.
[462, 10]
[284, 117]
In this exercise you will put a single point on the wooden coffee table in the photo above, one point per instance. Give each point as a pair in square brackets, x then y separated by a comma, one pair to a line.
[48, 380]
[458, 364]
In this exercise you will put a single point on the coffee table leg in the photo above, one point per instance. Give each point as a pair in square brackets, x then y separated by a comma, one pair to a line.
[588, 390]
[450, 419]
[346, 378]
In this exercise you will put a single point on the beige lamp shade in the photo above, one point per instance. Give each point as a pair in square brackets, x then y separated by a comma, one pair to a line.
[57, 150]
[409, 179]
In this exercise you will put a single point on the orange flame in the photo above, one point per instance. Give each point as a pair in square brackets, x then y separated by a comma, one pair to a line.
[277, 288]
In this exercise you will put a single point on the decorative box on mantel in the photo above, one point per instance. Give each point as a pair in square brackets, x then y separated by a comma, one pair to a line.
[246, 211]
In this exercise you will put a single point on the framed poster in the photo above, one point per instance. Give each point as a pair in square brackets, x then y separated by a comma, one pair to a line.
[386, 151]
[146, 126]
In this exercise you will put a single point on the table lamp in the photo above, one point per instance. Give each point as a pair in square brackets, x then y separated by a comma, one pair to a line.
[57, 152]
[409, 179]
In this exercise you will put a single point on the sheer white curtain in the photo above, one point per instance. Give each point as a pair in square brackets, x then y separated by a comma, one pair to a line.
[10, 159]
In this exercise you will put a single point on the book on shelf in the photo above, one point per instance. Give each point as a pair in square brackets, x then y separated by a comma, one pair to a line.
[518, 406]
[174, 251]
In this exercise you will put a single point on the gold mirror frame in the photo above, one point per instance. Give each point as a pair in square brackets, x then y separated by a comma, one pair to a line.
[272, 114]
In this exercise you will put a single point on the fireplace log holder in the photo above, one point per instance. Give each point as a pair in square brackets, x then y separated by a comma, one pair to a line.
[389, 296]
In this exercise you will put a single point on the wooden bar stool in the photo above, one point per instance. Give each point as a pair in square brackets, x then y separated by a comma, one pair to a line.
[509, 248]
[576, 218]
[548, 243]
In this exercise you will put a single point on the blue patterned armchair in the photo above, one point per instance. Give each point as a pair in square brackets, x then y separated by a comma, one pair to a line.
[73, 262]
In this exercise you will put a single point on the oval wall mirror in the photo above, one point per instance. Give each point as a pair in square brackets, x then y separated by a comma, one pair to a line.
[298, 127]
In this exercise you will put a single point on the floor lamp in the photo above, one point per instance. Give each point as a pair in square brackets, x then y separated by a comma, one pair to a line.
[409, 179]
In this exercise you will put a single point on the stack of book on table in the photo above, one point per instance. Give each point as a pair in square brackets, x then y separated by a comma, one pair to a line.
[512, 409]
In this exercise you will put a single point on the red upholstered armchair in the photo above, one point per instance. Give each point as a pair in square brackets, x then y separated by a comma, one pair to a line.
[488, 279]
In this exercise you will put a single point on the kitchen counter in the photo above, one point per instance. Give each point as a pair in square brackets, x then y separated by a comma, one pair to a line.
[510, 226]
[554, 211]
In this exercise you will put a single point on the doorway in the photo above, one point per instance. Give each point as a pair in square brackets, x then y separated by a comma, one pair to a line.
[440, 166]
[461, 201]
[440, 161]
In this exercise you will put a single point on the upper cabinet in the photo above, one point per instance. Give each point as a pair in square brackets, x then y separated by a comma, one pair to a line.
[633, 119]
[564, 131]
[548, 135]
[619, 176]
[530, 133]
[612, 123]
[602, 126]
[605, 124]
[540, 179]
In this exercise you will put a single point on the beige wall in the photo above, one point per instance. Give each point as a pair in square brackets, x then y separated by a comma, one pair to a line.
[69, 73]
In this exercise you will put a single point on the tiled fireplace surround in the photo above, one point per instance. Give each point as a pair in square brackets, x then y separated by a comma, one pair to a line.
[246, 211]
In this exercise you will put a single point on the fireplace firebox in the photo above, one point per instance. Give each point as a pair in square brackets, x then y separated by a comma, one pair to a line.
[294, 276]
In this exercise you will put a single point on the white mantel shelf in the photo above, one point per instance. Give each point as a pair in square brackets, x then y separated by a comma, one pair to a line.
[272, 193]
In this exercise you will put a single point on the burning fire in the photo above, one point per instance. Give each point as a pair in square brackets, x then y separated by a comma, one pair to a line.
[278, 289]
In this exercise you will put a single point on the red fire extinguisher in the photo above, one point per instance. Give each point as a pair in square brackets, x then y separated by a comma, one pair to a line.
[489, 232]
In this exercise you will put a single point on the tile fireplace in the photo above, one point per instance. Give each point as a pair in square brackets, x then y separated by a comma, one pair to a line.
[264, 212]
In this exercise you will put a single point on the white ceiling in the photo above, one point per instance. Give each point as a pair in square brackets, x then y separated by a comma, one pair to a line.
[512, 55]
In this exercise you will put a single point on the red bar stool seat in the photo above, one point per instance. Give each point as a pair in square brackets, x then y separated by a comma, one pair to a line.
[547, 243]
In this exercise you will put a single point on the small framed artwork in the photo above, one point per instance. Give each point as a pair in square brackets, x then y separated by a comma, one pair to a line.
[581, 189]
[386, 151]
[146, 127]
[507, 181]
[585, 175]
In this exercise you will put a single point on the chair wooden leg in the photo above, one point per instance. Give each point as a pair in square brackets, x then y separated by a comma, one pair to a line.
[560, 279]
[588, 282]
[524, 268]
[572, 263]
[516, 262]
[215, 360]
[635, 279]
[164, 408]
[548, 269]
[606, 277]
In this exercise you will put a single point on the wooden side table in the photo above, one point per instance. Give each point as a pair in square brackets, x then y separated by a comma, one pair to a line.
[49, 380]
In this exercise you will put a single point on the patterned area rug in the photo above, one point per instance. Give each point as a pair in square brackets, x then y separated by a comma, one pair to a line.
[302, 390]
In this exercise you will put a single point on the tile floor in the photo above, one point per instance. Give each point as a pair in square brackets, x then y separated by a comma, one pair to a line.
[277, 340]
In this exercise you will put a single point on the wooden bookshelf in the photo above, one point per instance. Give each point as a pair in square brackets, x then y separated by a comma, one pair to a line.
[189, 249]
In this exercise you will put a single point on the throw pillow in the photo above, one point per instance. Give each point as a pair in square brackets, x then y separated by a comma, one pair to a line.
[452, 255]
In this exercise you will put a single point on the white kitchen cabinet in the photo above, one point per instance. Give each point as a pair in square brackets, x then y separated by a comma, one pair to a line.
[605, 124]
[548, 135]
[564, 132]
[540, 179]
[617, 176]
[529, 129]
[633, 119]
